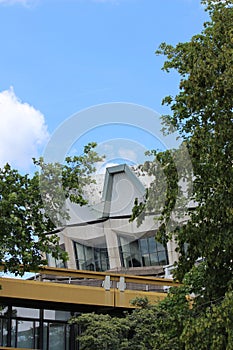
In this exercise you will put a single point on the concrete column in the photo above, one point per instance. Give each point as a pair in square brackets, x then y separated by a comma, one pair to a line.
[69, 246]
[172, 254]
[112, 246]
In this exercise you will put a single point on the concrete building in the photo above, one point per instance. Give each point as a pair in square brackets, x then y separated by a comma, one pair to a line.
[99, 236]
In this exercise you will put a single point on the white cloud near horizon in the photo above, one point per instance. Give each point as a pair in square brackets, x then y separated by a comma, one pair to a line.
[23, 131]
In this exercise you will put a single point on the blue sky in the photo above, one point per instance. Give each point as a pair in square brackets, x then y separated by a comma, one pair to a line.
[61, 56]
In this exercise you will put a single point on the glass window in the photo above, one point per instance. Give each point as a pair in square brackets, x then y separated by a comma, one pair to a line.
[57, 315]
[163, 257]
[22, 330]
[135, 254]
[25, 312]
[146, 260]
[104, 265]
[14, 333]
[143, 252]
[3, 335]
[80, 251]
[91, 258]
[25, 334]
[152, 244]
[57, 336]
[56, 262]
[143, 245]
[160, 247]
[130, 253]
[154, 260]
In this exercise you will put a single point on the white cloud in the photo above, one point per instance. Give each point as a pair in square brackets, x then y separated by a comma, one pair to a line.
[128, 154]
[23, 131]
[25, 3]
[121, 150]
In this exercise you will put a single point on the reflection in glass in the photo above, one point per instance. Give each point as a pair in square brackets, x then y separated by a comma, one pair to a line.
[13, 333]
[56, 336]
[146, 260]
[3, 328]
[57, 315]
[25, 312]
[162, 257]
[143, 252]
[20, 328]
[91, 258]
[26, 334]
[154, 259]
[143, 245]
[153, 245]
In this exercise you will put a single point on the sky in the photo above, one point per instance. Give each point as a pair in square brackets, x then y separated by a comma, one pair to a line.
[61, 57]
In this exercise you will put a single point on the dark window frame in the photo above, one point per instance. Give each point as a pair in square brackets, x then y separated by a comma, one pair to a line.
[38, 330]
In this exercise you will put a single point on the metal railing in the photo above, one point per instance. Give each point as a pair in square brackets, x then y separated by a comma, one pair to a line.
[107, 280]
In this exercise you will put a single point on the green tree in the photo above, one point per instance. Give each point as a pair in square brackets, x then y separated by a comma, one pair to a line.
[211, 328]
[202, 112]
[102, 332]
[148, 327]
[31, 207]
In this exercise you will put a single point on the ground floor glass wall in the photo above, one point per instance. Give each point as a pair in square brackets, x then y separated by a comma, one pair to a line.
[36, 329]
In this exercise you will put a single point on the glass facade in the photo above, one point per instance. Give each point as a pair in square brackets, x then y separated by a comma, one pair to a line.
[36, 329]
[3, 331]
[142, 252]
[56, 336]
[56, 262]
[91, 258]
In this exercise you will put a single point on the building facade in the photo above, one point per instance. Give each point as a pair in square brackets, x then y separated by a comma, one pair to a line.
[100, 237]
[97, 237]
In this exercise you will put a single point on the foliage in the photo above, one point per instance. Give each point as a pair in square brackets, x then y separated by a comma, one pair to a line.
[166, 195]
[177, 323]
[148, 327]
[102, 332]
[28, 214]
[202, 112]
[160, 326]
[211, 329]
